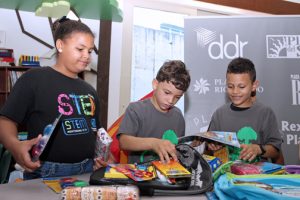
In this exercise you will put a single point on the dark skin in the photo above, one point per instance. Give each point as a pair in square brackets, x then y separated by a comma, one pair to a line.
[251, 151]
[240, 89]
[73, 57]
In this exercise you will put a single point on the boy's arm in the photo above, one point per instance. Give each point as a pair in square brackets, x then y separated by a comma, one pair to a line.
[249, 152]
[163, 148]
[271, 151]
[19, 149]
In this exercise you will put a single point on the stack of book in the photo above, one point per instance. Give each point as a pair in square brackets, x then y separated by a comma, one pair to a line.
[7, 57]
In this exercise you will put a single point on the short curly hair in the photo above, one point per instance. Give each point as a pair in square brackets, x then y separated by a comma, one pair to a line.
[174, 71]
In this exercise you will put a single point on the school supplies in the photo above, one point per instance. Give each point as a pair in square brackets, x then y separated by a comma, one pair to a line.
[26, 60]
[223, 137]
[292, 169]
[222, 154]
[261, 186]
[241, 168]
[116, 192]
[213, 162]
[58, 184]
[199, 181]
[103, 142]
[111, 172]
[38, 149]
[268, 167]
[134, 172]
[173, 169]
[223, 169]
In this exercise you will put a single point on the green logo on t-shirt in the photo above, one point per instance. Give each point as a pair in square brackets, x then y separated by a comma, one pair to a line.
[168, 135]
[246, 135]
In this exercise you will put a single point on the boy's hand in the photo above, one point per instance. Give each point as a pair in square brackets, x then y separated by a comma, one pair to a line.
[164, 149]
[22, 156]
[249, 152]
[213, 146]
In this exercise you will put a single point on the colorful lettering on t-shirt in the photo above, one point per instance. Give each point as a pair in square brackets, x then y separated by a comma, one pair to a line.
[75, 126]
[75, 106]
[83, 104]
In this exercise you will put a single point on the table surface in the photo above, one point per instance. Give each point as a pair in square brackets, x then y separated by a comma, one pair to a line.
[37, 190]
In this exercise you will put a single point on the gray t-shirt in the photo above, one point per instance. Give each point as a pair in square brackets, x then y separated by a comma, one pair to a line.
[256, 125]
[142, 119]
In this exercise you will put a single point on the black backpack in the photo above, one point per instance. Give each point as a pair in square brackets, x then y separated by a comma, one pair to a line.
[200, 182]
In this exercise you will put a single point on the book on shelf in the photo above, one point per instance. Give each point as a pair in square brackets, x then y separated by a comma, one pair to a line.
[173, 169]
[14, 76]
[6, 57]
[229, 138]
[6, 53]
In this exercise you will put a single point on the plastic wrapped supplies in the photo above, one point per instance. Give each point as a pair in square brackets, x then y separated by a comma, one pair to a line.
[103, 142]
[114, 192]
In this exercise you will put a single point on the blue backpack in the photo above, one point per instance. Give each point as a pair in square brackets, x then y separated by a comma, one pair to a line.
[262, 186]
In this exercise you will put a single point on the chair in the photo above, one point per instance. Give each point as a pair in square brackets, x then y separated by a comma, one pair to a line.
[119, 155]
[4, 166]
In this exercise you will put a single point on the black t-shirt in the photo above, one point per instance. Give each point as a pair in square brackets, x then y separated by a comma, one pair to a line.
[39, 96]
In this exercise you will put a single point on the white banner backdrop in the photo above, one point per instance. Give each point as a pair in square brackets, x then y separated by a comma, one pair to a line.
[272, 43]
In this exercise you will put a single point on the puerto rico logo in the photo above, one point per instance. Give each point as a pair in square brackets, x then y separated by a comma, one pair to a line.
[201, 86]
[283, 46]
[218, 86]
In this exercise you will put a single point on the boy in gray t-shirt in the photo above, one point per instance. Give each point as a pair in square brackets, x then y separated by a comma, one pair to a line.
[255, 124]
[146, 122]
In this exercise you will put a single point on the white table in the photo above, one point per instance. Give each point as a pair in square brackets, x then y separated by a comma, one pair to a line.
[37, 190]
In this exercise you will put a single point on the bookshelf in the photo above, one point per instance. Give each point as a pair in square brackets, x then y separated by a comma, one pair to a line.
[8, 77]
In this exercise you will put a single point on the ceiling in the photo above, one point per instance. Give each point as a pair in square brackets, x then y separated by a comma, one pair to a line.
[277, 7]
[94, 9]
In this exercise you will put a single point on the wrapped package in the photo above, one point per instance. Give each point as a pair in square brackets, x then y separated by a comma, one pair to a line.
[240, 168]
[103, 142]
[96, 192]
[114, 192]
[127, 192]
[71, 193]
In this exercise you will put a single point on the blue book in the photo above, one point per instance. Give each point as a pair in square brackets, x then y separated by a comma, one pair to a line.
[268, 168]
[223, 137]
